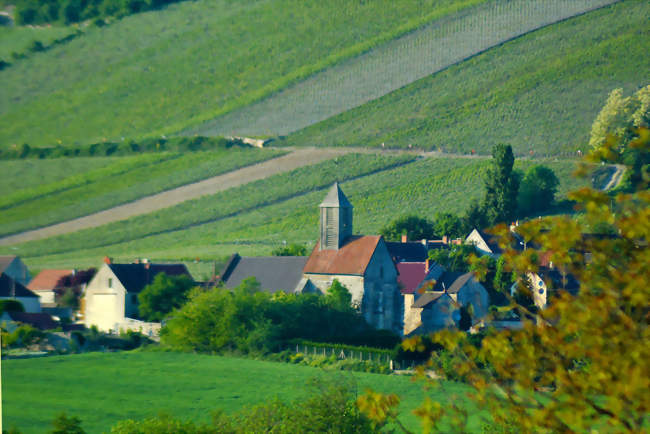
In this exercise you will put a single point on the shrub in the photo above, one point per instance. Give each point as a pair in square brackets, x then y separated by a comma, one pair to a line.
[11, 306]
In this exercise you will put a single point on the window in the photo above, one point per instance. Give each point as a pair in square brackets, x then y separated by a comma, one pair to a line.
[541, 292]
[110, 282]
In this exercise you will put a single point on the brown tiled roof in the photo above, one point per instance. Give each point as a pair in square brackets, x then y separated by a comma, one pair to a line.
[48, 280]
[353, 258]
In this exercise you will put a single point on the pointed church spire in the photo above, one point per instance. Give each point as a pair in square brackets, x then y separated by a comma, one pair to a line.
[335, 219]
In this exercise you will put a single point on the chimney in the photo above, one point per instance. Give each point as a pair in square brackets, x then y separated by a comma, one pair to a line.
[424, 242]
[146, 265]
[427, 264]
[107, 260]
[74, 272]
[445, 239]
[137, 261]
[405, 238]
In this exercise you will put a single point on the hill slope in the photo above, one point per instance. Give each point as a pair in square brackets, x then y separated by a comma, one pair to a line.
[540, 92]
[394, 65]
[165, 70]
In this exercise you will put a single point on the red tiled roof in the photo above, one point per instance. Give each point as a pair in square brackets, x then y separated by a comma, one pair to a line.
[48, 280]
[411, 274]
[353, 258]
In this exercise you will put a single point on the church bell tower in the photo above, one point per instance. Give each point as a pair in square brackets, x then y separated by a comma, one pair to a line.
[335, 219]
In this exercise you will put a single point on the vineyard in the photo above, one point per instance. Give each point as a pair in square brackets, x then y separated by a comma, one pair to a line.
[126, 179]
[394, 65]
[253, 219]
[158, 72]
[539, 93]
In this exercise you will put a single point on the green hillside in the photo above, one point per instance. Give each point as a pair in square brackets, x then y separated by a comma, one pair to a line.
[255, 218]
[540, 92]
[189, 386]
[163, 71]
[125, 180]
[19, 39]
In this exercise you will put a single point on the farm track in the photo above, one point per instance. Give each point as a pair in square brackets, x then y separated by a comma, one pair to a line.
[396, 64]
[293, 160]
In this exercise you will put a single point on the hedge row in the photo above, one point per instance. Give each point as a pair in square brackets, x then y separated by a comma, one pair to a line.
[105, 149]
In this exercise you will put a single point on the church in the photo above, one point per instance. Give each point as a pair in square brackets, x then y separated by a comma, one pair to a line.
[362, 263]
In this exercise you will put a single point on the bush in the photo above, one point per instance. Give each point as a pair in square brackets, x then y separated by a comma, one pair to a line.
[11, 306]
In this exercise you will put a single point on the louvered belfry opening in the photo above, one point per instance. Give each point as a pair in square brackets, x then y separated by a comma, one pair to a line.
[335, 219]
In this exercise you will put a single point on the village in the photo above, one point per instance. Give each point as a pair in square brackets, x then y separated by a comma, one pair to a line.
[394, 286]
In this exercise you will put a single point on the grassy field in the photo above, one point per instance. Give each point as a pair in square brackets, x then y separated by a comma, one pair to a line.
[540, 92]
[252, 220]
[162, 71]
[18, 39]
[21, 175]
[103, 388]
[126, 179]
[394, 65]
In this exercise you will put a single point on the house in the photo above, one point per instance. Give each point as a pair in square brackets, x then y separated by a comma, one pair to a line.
[48, 284]
[274, 273]
[12, 320]
[11, 289]
[362, 263]
[485, 243]
[111, 297]
[13, 267]
[437, 301]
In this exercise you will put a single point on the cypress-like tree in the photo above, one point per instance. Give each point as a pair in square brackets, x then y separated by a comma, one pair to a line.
[501, 187]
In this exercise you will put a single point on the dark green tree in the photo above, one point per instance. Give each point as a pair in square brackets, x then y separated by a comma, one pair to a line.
[163, 295]
[465, 322]
[62, 424]
[501, 187]
[475, 217]
[10, 305]
[537, 190]
[290, 250]
[448, 224]
[416, 228]
[339, 296]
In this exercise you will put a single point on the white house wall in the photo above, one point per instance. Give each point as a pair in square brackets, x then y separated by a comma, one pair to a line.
[104, 306]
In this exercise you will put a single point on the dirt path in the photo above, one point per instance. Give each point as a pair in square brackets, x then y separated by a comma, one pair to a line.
[296, 158]
[615, 178]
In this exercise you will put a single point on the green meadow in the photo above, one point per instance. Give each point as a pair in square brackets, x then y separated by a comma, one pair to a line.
[18, 39]
[124, 180]
[162, 71]
[539, 93]
[253, 219]
[103, 388]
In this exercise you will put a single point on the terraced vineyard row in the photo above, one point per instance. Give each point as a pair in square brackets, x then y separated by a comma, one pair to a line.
[394, 65]
[116, 184]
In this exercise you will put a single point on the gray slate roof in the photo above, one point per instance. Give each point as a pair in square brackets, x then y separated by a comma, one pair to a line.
[274, 273]
[336, 198]
[5, 260]
[135, 277]
[10, 288]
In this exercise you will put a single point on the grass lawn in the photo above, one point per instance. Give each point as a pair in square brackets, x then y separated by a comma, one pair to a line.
[127, 179]
[103, 388]
[539, 92]
[252, 220]
[161, 71]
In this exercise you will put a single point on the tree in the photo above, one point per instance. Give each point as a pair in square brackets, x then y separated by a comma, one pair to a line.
[449, 224]
[290, 250]
[163, 295]
[339, 296]
[581, 364]
[537, 190]
[465, 321]
[501, 187]
[10, 305]
[414, 227]
[70, 298]
[457, 258]
[63, 424]
[475, 217]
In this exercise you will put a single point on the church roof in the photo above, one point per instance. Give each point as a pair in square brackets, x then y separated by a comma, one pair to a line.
[336, 198]
[274, 273]
[353, 258]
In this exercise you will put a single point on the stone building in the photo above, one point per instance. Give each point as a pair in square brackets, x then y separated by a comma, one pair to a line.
[362, 263]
